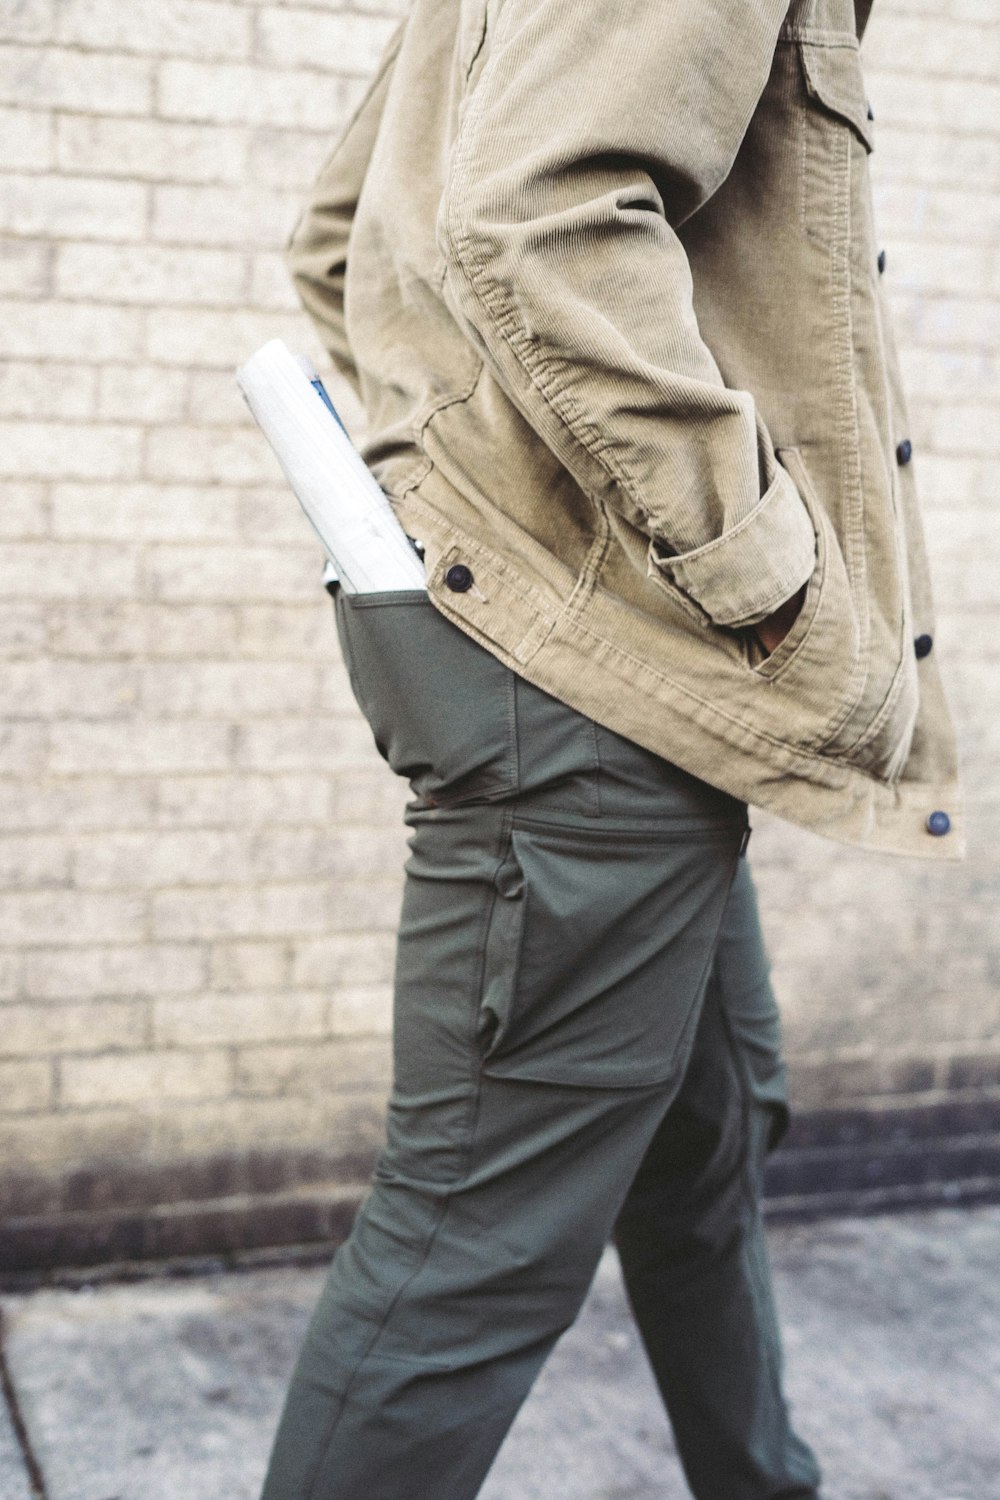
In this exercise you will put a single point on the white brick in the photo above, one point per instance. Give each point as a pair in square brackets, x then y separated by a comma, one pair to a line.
[289, 160]
[104, 628]
[150, 150]
[246, 800]
[961, 543]
[25, 1085]
[140, 393]
[215, 339]
[949, 49]
[248, 965]
[937, 212]
[194, 28]
[11, 966]
[935, 266]
[347, 959]
[47, 390]
[337, 42]
[107, 971]
[950, 482]
[47, 1145]
[24, 750]
[914, 98]
[85, 206]
[214, 398]
[49, 689]
[64, 916]
[964, 427]
[44, 1029]
[271, 285]
[230, 856]
[137, 511]
[149, 274]
[136, 1077]
[362, 1010]
[973, 10]
[345, 1066]
[27, 140]
[288, 744]
[238, 94]
[60, 78]
[156, 858]
[368, 795]
[132, 629]
[939, 321]
[244, 217]
[255, 1016]
[233, 1124]
[939, 373]
[29, 860]
[79, 450]
[395, 8]
[129, 748]
[264, 910]
[27, 20]
[72, 570]
[290, 631]
[907, 154]
[209, 455]
[24, 513]
[37, 330]
[239, 573]
[25, 266]
[25, 627]
[270, 516]
[68, 802]
[233, 689]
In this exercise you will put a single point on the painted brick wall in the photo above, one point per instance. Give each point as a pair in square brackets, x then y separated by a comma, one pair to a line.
[200, 850]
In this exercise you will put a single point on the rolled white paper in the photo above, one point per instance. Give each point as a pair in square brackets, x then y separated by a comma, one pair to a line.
[338, 492]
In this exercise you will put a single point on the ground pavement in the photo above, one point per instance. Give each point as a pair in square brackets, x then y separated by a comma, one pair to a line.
[169, 1389]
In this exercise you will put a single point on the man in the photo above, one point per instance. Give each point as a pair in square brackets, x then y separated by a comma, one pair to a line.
[614, 308]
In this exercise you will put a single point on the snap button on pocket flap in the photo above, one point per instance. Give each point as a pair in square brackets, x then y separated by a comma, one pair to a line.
[834, 77]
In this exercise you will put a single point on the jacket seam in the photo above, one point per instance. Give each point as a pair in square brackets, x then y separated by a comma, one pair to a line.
[421, 425]
[539, 371]
[715, 712]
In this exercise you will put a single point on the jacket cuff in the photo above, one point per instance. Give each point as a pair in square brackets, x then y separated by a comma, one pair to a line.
[744, 575]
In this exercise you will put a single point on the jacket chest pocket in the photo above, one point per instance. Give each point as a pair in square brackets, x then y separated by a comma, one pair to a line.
[835, 141]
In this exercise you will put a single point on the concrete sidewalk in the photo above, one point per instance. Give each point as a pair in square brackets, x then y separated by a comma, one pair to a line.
[170, 1389]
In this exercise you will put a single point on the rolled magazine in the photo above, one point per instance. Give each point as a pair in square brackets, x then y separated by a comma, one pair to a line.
[369, 550]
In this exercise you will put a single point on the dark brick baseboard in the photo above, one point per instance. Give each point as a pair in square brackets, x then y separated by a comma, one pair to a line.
[126, 1219]
[895, 1155]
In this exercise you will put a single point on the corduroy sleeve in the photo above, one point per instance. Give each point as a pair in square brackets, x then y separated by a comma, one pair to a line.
[316, 250]
[589, 135]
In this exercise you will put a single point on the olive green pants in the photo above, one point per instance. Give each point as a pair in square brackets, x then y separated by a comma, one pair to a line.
[586, 1045]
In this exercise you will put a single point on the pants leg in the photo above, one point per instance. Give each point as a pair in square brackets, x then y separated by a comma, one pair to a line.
[691, 1239]
[562, 906]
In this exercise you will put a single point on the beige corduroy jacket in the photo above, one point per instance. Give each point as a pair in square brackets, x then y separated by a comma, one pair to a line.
[606, 279]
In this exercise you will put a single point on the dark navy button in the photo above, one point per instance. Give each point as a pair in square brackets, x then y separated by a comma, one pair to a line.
[938, 824]
[871, 113]
[881, 261]
[458, 578]
[923, 645]
[904, 451]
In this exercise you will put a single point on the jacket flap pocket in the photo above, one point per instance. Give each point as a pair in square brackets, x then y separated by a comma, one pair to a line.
[834, 76]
